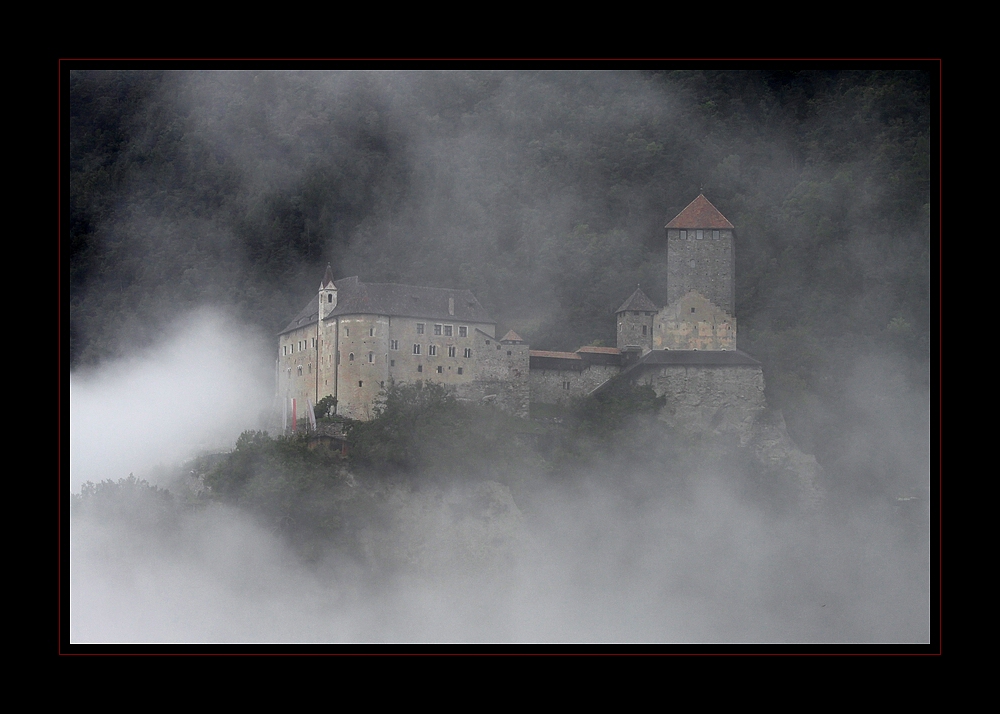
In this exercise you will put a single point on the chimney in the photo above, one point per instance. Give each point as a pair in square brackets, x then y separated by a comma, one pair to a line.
[451, 306]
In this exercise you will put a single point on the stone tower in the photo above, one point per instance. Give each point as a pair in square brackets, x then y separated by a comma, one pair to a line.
[701, 256]
[635, 322]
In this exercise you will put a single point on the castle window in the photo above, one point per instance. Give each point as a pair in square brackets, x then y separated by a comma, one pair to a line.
[371, 331]
[416, 349]
[329, 297]
[393, 344]
[392, 363]
[447, 330]
[460, 370]
[565, 385]
[338, 357]
[310, 368]
[468, 352]
[684, 235]
[463, 331]
[508, 353]
[371, 356]
[440, 369]
[284, 349]
[451, 351]
[300, 370]
[347, 332]
[382, 385]
[699, 234]
[350, 357]
[487, 341]
[715, 235]
[437, 329]
[420, 368]
[420, 330]
[692, 309]
[432, 350]
[361, 383]
[644, 329]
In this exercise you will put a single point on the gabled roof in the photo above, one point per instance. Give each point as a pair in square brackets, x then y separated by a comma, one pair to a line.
[357, 298]
[700, 213]
[511, 336]
[590, 349]
[638, 302]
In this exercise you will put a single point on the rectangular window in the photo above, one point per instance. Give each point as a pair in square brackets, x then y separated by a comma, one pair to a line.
[347, 332]
[684, 235]
[440, 369]
[416, 349]
[463, 331]
[420, 368]
[715, 235]
[420, 328]
[487, 341]
[468, 352]
[451, 351]
[371, 357]
[371, 331]
[459, 370]
[699, 234]
[447, 330]
[393, 344]
[392, 363]
[432, 350]
[360, 383]
[437, 329]
[644, 329]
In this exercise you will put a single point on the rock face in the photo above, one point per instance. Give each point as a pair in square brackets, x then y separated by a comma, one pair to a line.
[773, 448]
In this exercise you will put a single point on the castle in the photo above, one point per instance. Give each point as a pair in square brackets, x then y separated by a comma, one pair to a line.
[355, 337]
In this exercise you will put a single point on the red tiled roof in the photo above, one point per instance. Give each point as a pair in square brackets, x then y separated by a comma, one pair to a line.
[700, 213]
[600, 350]
[557, 355]
[511, 336]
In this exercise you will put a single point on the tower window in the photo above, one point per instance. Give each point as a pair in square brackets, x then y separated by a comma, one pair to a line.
[420, 328]
[715, 235]
[300, 370]
[460, 370]
[448, 330]
[392, 363]
[440, 369]
[393, 344]
[329, 297]
[699, 234]
[451, 351]
[371, 357]
[347, 332]
[692, 309]
[684, 235]
[361, 383]
[432, 350]
[509, 353]
[463, 331]
[468, 352]
[437, 329]
[644, 329]
[350, 357]
[371, 331]
[416, 349]
[420, 368]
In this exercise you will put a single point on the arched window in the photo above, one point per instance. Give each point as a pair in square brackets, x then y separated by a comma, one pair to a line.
[350, 357]
[371, 356]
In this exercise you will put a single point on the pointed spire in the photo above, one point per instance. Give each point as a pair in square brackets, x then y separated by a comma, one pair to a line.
[638, 302]
[700, 213]
[327, 278]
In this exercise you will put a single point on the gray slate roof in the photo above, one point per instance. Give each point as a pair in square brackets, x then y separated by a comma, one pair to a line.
[639, 303]
[698, 358]
[357, 298]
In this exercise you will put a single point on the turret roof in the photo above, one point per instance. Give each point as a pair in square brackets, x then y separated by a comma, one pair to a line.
[638, 302]
[328, 277]
[700, 213]
[511, 336]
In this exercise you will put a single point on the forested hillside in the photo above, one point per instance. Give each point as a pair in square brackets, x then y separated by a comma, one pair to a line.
[543, 192]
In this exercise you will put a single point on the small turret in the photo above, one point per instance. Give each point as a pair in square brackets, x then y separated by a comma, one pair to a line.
[327, 293]
[635, 322]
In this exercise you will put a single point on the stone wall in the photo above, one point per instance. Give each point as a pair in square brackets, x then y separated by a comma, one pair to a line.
[725, 399]
[693, 322]
[558, 386]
